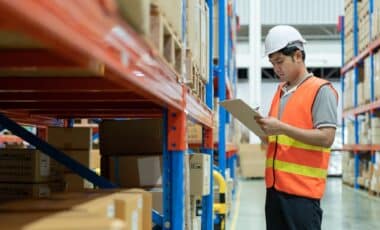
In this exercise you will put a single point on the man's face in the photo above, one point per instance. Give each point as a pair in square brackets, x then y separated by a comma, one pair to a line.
[285, 67]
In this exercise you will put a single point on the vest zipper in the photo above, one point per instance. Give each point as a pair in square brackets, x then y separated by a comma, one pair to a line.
[274, 159]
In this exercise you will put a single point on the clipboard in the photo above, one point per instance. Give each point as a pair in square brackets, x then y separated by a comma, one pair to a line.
[244, 113]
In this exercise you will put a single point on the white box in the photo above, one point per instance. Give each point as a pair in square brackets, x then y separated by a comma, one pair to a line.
[199, 174]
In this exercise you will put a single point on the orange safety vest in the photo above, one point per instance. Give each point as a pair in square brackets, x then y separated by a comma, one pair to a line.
[292, 166]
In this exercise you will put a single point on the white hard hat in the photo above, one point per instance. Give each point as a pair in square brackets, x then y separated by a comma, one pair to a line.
[280, 37]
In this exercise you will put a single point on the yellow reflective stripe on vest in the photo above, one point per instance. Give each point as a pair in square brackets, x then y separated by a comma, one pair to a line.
[288, 141]
[296, 168]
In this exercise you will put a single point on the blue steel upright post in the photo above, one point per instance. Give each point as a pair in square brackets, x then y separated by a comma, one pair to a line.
[208, 143]
[356, 82]
[342, 33]
[222, 86]
[372, 70]
[173, 173]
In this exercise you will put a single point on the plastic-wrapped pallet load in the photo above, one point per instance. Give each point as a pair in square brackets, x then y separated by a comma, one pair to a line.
[172, 10]
[137, 13]
[194, 30]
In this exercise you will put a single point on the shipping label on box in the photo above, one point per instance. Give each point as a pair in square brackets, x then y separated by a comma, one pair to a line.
[199, 174]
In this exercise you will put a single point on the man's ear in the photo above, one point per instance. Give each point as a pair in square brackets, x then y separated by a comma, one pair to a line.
[298, 56]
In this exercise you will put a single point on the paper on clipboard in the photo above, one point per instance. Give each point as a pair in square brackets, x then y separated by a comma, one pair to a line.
[244, 113]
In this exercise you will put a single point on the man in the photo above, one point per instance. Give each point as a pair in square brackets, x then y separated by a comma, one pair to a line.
[300, 128]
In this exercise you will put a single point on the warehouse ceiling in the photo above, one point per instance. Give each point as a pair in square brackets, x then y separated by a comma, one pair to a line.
[310, 32]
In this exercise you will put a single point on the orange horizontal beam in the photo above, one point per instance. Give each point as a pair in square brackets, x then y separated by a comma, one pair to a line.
[356, 60]
[362, 109]
[74, 96]
[12, 58]
[65, 84]
[95, 30]
[77, 105]
[361, 147]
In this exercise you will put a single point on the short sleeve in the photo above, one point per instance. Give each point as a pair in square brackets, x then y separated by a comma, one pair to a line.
[325, 108]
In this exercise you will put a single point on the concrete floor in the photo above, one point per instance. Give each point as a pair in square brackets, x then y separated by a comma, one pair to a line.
[344, 208]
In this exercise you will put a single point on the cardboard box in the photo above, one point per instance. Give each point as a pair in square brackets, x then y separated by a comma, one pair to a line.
[137, 14]
[194, 133]
[194, 30]
[157, 203]
[199, 174]
[27, 166]
[131, 137]
[95, 159]
[172, 10]
[146, 208]
[58, 221]
[133, 171]
[252, 160]
[75, 183]
[79, 138]
[129, 208]
[204, 68]
[81, 156]
[14, 191]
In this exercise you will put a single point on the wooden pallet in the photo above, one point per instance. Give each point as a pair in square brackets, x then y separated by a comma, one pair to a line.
[167, 42]
[192, 72]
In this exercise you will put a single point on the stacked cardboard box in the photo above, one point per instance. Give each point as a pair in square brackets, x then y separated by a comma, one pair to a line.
[348, 30]
[375, 130]
[367, 80]
[28, 172]
[131, 152]
[348, 90]
[252, 160]
[376, 19]
[377, 74]
[375, 177]
[364, 130]
[350, 132]
[348, 168]
[364, 26]
[77, 144]
[194, 133]
[131, 207]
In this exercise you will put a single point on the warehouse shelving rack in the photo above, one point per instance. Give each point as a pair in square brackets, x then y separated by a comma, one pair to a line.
[137, 83]
[374, 104]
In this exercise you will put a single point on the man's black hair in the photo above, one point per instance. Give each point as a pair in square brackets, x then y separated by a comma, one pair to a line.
[290, 51]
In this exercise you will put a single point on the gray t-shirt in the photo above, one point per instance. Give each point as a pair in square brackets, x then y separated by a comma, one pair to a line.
[324, 107]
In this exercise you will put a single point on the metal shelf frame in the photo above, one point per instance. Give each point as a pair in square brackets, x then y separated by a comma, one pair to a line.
[354, 65]
[137, 83]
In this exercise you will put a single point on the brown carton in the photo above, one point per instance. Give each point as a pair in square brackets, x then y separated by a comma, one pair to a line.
[10, 191]
[27, 166]
[133, 171]
[130, 137]
[58, 221]
[79, 138]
